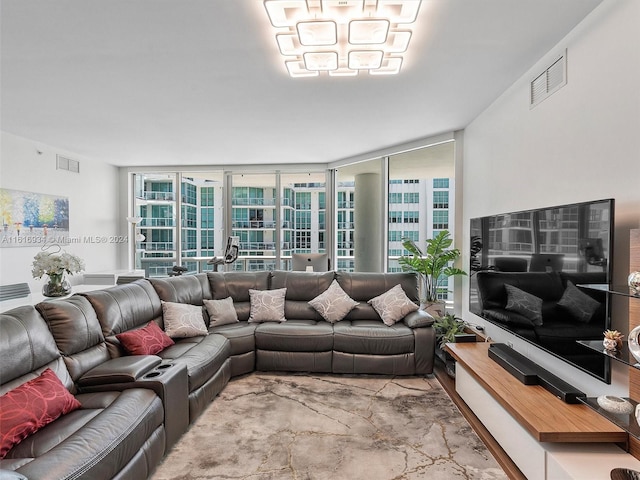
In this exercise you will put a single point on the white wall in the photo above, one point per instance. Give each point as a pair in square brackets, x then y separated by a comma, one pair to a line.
[93, 208]
[580, 144]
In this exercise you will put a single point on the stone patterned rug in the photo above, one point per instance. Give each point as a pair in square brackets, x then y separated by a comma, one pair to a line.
[267, 426]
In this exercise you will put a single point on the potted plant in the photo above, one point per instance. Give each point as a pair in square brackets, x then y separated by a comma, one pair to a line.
[447, 327]
[433, 266]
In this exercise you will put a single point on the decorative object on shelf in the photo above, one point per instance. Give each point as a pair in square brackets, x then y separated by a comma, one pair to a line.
[612, 340]
[634, 346]
[56, 264]
[433, 266]
[614, 404]
[634, 282]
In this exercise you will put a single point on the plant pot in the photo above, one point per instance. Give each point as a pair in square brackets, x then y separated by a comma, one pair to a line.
[435, 309]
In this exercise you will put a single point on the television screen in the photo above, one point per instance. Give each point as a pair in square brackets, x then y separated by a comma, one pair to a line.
[527, 269]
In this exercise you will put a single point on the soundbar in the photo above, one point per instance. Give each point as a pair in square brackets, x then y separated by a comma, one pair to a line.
[530, 373]
[515, 363]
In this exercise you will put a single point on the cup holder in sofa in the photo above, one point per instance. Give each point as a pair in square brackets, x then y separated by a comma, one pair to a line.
[159, 370]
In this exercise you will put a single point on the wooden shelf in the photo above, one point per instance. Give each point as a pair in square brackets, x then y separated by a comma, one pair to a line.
[544, 416]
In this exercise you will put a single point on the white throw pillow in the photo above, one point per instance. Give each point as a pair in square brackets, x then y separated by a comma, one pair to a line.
[267, 305]
[393, 305]
[334, 303]
[182, 320]
[221, 312]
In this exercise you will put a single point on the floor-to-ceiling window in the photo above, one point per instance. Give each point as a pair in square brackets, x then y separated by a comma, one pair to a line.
[421, 193]
[187, 217]
[254, 220]
[181, 217]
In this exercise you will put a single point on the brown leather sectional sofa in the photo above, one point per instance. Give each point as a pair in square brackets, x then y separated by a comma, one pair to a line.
[135, 408]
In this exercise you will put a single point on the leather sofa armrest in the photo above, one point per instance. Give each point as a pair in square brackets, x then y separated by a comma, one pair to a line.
[11, 475]
[417, 319]
[120, 370]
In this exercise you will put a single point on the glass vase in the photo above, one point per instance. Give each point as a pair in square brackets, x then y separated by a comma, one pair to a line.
[57, 286]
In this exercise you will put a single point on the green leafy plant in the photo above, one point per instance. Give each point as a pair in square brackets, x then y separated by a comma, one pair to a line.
[434, 265]
[447, 327]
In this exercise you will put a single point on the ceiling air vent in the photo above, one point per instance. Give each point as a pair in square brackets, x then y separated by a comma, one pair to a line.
[549, 81]
[64, 163]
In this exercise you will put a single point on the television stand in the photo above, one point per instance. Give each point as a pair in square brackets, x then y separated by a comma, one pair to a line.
[544, 436]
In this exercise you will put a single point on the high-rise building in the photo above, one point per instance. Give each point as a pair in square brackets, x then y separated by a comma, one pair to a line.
[417, 210]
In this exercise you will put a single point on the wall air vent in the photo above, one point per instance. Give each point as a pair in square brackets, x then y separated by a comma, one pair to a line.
[549, 81]
[64, 163]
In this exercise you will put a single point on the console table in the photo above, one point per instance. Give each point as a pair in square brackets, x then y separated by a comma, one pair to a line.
[544, 436]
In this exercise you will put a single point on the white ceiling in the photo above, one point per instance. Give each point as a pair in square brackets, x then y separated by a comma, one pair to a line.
[200, 82]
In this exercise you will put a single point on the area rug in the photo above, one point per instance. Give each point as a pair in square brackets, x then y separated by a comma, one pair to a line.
[296, 427]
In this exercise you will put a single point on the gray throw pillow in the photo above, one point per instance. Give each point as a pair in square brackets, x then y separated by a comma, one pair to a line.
[393, 305]
[526, 304]
[182, 320]
[334, 303]
[580, 305]
[267, 305]
[221, 312]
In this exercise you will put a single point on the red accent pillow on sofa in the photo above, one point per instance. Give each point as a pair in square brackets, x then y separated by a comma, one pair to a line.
[147, 340]
[31, 406]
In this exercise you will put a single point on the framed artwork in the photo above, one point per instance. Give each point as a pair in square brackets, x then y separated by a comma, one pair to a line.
[32, 219]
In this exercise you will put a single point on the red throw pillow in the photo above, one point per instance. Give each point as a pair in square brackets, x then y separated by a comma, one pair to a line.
[31, 406]
[147, 340]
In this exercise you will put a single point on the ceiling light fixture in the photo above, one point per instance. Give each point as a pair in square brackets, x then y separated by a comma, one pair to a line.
[342, 37]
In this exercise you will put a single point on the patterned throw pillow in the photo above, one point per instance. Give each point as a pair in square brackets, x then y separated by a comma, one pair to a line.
[148, 340]
[267, 305]
[31, 406]
[393, 305]
[578, 303]
[334, 303]
[526, 304]
[221, 312]
[182, 320]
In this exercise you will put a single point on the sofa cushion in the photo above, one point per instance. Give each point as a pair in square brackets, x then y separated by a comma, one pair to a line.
[125, 307]
[77, 332]
[363, 286]
[182, 320]
[240, 334]
[191, 289]
[203, 357]
[333, 304]
[267, 305]
[236, 285]
[31, 406]
[221, 312]
[372, 337]
[580, 305]
[524, 303]
[147, 340]
[295, 336]
[301, 287]
[393, 305]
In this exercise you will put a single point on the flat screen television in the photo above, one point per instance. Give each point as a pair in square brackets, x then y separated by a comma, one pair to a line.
[526, 269]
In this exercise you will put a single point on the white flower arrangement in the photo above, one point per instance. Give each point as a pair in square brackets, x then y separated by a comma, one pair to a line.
[56, 264]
